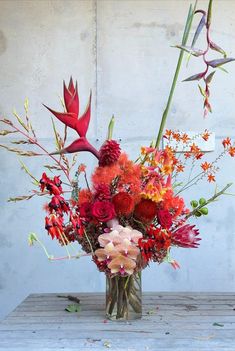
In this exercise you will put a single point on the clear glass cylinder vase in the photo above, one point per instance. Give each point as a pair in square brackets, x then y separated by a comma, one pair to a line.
[124, 297]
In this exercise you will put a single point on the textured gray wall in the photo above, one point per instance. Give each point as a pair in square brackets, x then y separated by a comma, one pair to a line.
[120, 49]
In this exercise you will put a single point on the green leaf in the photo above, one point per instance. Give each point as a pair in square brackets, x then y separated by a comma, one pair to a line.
[190, 50]
[215, 324]
[6, 132]
[23, 166]
[217, 48]
[202, 91]
[209, 77]
[73, 308]
[20, 120]
[57, 143]
[20, 198]
[26, 105]
[220, 62]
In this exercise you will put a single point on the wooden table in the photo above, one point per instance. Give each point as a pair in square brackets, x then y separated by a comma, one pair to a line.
[171, 321]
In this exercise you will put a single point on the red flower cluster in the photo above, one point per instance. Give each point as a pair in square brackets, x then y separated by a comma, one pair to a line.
[57, 208]
[109, 153]
[186, 236]
[154, 246]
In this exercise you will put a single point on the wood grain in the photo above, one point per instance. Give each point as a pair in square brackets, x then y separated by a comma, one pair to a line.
[171, 321]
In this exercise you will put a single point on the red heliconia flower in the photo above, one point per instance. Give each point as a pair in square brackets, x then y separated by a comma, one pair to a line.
[186, 236]
[71, 119]
[109, 153]
[52, 185]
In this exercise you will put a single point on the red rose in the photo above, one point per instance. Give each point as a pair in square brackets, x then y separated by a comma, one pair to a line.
[164, 218]
[123, 203]
[145, 210]
[103, 211]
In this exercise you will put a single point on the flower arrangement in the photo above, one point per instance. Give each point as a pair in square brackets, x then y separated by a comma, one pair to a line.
[131, 212]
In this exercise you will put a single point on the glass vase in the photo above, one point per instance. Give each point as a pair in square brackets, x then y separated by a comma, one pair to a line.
[124, 297]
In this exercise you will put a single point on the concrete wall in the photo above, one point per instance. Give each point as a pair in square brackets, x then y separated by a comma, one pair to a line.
[120, 49]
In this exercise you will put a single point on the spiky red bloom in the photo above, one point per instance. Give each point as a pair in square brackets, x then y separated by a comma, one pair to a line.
[145, 210]
[186, 236]
[102, 192]
[123, 203]
[109, 153]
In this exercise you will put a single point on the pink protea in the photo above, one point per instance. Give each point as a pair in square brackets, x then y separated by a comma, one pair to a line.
[109, 153]
[186, 236]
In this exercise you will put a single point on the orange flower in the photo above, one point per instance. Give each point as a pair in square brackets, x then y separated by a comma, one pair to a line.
[122, 265]
[168, 134]
[199, 155]
[180, 167]
[226, 142]
[185, 138]
[128, 250]
[205, 166]
[176, 136]
[206, 135]
[81, 168]
[231, 151]
[84, 196]
[194, 148]
[187, 155]
[211, 178]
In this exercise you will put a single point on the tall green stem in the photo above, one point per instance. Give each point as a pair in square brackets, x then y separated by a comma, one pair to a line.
[184, 42]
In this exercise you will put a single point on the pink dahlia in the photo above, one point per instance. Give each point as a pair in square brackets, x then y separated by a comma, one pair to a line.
[186, 236]
[109, 153]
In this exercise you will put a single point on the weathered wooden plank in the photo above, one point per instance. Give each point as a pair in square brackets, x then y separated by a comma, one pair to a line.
[124, 344]
[171, 321]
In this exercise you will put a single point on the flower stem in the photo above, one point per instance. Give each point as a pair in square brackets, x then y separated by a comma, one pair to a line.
[184, 42]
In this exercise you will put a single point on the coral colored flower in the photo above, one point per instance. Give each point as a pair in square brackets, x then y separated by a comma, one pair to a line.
[82, 168]
[211, 178]
[186, 236]
[122, 265]
[84, 196]
[103, 211]
[226, 142]
[164, 219]
[174, 264]
[123, 203]
[231, 151]
[205, 166]
[145, 210]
